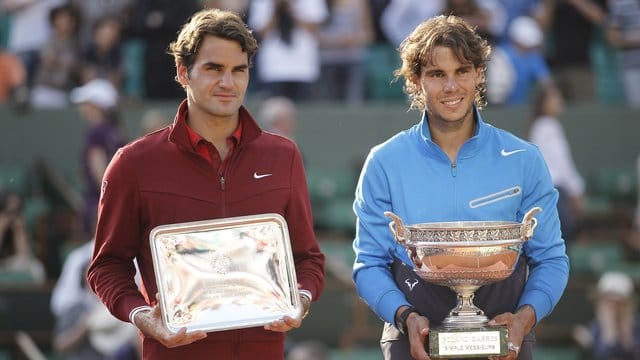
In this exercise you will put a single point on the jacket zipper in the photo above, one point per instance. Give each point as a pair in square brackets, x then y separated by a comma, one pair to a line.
[223, 186]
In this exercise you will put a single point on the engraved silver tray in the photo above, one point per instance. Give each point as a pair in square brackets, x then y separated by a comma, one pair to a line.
[224, 274]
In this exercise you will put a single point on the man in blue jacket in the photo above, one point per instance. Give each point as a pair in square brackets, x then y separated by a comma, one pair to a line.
[452, 166]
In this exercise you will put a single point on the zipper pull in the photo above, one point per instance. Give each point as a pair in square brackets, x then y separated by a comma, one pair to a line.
[222, 181]
[454, 167]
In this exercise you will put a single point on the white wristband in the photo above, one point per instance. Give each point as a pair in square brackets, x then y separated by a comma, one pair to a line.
[306, 293]
[132, 314]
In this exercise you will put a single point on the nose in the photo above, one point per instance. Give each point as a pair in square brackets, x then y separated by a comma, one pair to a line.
[226, 80]
[450, 83]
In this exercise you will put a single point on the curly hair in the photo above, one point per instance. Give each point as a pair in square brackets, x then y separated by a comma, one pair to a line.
[214, 22]
[448, 31]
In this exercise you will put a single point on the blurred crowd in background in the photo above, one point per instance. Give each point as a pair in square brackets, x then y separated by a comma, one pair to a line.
[98, 55]
[318, 49]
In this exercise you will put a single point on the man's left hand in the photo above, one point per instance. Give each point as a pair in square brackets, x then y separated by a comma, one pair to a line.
[288, 323]
[519, 325]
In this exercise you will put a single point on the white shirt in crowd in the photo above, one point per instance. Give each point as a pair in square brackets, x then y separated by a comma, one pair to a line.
[299, 61]
[548, 134]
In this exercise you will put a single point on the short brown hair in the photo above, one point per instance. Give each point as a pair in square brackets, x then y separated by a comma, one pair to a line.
[449, 31]
[215, 22]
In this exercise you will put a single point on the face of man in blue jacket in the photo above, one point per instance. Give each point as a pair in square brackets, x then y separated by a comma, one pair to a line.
[448, 87]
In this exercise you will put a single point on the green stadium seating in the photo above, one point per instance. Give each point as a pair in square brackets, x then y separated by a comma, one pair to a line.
[13, 178]
[382, 60]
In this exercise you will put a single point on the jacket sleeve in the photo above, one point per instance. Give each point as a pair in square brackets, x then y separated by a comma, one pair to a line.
[374, 245]
[118, 236]
[309, 260]
[546, 252]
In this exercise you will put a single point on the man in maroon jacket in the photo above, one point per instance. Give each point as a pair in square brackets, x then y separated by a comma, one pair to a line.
[212, 162]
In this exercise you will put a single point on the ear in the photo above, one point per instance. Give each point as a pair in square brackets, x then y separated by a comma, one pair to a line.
[182, 74]
[481, 72]
[415, 79]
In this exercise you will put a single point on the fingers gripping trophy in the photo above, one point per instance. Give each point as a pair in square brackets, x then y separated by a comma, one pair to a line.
[464, 256]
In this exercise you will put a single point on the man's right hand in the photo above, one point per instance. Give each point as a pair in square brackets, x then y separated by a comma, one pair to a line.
[150, 323]
[417, 331]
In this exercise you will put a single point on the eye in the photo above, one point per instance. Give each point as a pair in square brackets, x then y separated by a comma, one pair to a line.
[465, 71]
[213, 67]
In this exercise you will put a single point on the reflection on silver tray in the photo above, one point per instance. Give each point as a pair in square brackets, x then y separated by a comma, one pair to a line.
[225, 274]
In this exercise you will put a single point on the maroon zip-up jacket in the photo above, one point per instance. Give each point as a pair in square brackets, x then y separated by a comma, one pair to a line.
[160, 179]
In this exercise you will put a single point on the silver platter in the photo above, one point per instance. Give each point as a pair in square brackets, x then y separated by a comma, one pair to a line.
[224, 274]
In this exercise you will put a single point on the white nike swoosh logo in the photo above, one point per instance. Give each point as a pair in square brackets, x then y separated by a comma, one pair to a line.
[503, 152]
[256, 176]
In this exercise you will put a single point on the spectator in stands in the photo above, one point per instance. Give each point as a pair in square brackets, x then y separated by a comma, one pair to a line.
[343, 51]
[308, 350]
[633, 240]
[636, 218]
[29, 30]
[509, 10]
[13, 75]
[400, 17]
[546, 131]
[445, 169]
[623, 31]
[16, 255]
[239, 7]
[517, 66]
[573, 28]
[94, 11]
[156, 23]
[59, 61]
[279, 116]
[84, 329]
[103, 58]
[614, 334]
[288, 63]
[96, 102]
[153, 120]
[483, 15]
[377, 9]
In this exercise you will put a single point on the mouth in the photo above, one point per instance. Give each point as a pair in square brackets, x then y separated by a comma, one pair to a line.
[224, 97]
[452, 102]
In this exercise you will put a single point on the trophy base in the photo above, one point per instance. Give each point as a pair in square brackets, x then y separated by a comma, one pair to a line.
[468, 342]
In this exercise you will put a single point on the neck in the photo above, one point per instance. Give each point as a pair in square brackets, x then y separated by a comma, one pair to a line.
[451, 136]
[215, 130]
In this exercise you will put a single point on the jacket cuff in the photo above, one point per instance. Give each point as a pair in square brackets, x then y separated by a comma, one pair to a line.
[539, 301]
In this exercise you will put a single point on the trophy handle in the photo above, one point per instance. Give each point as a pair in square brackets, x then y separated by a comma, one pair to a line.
[529, 223]
[396, 226]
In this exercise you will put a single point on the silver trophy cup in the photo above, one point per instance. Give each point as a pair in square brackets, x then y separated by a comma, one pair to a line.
[464, 256]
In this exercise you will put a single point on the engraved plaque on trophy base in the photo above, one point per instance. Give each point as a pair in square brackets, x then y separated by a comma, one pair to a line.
[468, 343]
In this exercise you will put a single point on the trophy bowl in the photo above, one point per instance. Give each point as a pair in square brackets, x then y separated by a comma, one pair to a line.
[464, 256]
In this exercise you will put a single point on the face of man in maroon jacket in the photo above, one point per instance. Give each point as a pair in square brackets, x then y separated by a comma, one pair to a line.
[217, 82]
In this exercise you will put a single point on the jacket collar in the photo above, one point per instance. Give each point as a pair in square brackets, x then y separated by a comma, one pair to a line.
[180, 136]
[468, 149]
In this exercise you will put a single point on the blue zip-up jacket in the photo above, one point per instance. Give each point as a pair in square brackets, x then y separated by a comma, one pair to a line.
[496, 176]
